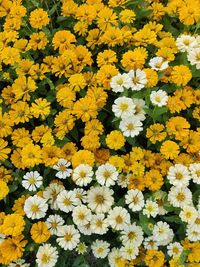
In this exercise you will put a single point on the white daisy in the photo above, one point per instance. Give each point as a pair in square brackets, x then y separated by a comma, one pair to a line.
[188, 214]
[100, 199]
[139, 109]
[132, 233]
[185, 42]
[150, 244]
[67, 200]
[51, 193]
[195, 172]
[114, 257]
[85, 229]
[134, 199]
[63, 169]
[46, 256]
[100, 248]
[123, 107]
[19, 263]
[193, 233]
[160, 198]
[118, 218]
[106, 174]
[180, 196]
[158, 63]
[162, 233]
[150, 209]
[82, 175]
[53, 222]
[81, 215]
[81, 195]
[99, 224]
[194, 57]
[32, 180]
[120, 82]
[129, 251]
[174, 249]
[159, 98]
[196, 224]
[68, 237]
[138, 79]
[35, 207]
[178, 175]
[123, 180]
[130, 127]
[81, 248]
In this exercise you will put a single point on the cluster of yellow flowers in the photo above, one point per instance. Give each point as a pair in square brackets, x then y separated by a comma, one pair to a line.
[99, 133]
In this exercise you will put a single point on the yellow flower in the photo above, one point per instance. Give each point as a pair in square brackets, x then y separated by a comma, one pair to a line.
[64, 121]
[63, 40]
[21, 137]
[38, 41]
[13, 225]
[106, 57]
[169, 149]
[18, 206]
[22, 86]
[4, 150]
[154, 258]
[105, 18]
[86, 13]
[5, 174]
[38, 18]
[153, 180]
[40, 232]
[65, 96]
[155, 133]
[181, 75]
[134, 59]
[51, 155]
[82, 157]
[20, 112]
[144, 37]
[6, 125]
[117, 161]
[152, 78]
[90, 141]
[93, 126]
[189, 12]
[31, 155]
[85, 109]
[127, 16]
[4, 189]
[69, 149]
[178, 126]
[77, 82]
[41, 107]
[115, 140]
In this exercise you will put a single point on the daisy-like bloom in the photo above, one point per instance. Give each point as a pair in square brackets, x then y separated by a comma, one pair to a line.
[81, 215]
[174, 249]
[120, 82]
[151, 209]
[114, 257]
[81, 195]
[100, 248]
[138, 79]
[159, 98]
[67, 200]
[139, 109]
[63, 169]
[129, 251]
[195, 172]
[132, 233]
[68, 237]
[193, 233]
[180, 196]
[186, 42]
[106, 174]
[85, 229]
[19, 262]
[158, 63]
[32, 180]
[99, 199]
[46, 256]
[178, 175]
[150, 244]
[123, 107]
[188, 214]
[123, 180]
[82, 175]
[99, 224]
[194, 57]
[81, 248]
[118, 218]
[53, 222]
[130, 127]
[134, 199]
[51, 193]
[162, 233]
[35, 207]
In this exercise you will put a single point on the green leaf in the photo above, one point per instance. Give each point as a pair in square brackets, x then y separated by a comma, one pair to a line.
[145, 223]
[183, 256]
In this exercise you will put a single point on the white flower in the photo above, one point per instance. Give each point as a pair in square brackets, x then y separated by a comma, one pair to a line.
[100, 248]
[118, 218]
[193, 233]
[62, 168]
[123, 180]
[119, 82]
[178, 175]
[132, 233]
[80, 195]
[130, 127]
[195, 172]
[106, 174]
[185, 42]
[68, 237]
[150, 209]
[123, 107]
[81, 248]
[46, 256]
[188, 214]
[180, 196]
[53, 222]
[32, 180]
[196, 224]
[99, 224]
[150, 244]
[35, 207]
[85, 229]
[138, 79]
[114, 257]
[134, 199]
[139, 109]
[81, 215]
[159, 98]
[51, 193]
[162, 233]
[82, 175]
[19, 262]
[100, 199]
[194, 57]
[159, 197]
[174, 249]
[158, 63]
[67, 200]
[129, 251]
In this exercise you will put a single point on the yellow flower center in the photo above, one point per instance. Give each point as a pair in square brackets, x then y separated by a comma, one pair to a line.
[68, 236]
[45, 258]
[34, 208]
[99, 199]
